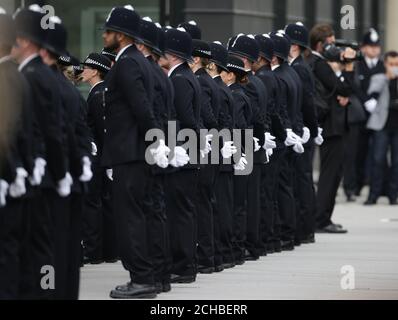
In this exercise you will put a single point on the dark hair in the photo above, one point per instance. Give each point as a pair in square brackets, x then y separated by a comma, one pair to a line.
[102, 74]
[204, 62]
[320, 33]
[390, 54]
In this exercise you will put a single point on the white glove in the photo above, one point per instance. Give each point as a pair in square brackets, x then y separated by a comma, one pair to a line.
[228, 150]
[269, 153]
[306, 135]
[94, 149]
[18, 187]
[109, 174]
[87, 174]
[242, 163]
[207, 149]
[291, 138]
[319, 139]
[38, 172]
[64, 186]
[180, 158]
[371, 105]
[3, 193]
[257, 146]
[160, 155]
[269, 142]
[298, 148]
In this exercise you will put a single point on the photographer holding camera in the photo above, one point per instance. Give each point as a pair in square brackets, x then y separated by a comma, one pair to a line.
[333, 69]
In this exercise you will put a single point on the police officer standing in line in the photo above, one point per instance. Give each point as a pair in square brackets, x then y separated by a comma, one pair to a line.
[15, 155]
[223, 212]
[54, 182]
[305, 190]
[247, 49]
[99, 233]
[129, 116]
[182, 186]
[201, 54]
[278, 125]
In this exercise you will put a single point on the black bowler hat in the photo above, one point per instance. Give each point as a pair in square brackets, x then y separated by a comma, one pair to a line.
[371, 38]
[110, 55]
[159, 50]
[201, 49]
[7, 29]
[178, 42]
[28, 24]
[124, 20]
[193, 29]
[56, 38]
[219, 55]
[236, 65]
[244, 46]
[68, 60]
[149, 34]
[298, 34]
[98, 61]
[266, 46]
[281, 45]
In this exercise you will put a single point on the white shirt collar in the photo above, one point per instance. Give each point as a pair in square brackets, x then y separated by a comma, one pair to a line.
[215, 77]
[121, 52]
[316, 53]
[26, 61]
[371, 62]
[292, 60]
[4, 59]
[173, 68]
[273, 68]
[95, 85]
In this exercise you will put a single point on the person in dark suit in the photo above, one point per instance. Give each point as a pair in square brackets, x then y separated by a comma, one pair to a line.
[99, 232]
[15, 155]
[279, 122]
[129, 115]
[247, 49]
[290, 88]
[305, 190]
[182, 186]
[333, 96]
[210, 109]
[235, 78]
[48, 149]
[223, 212]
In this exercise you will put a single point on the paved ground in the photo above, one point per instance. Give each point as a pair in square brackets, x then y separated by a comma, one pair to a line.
[310, 272]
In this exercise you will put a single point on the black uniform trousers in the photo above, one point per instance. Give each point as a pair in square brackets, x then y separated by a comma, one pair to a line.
[332, 160]
[269, 193]
[240, 217]
[352, 165]
[206, 202]
[38, 246]
[224, 214]
[181, 195]
[305, 193]
[286, 198]
[130, 186]
[254, 211]
[99, 233]
[11, 229]
[159, 242]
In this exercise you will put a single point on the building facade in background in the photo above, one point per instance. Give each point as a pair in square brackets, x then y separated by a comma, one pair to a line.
[222, 18]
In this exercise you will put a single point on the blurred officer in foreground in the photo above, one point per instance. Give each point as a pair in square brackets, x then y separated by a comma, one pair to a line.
[99, 233]
[15, 155]
[129, 116]
[334, 88]
[383, 122]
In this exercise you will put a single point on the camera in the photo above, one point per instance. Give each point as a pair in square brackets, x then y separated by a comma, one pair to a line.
[332, 52]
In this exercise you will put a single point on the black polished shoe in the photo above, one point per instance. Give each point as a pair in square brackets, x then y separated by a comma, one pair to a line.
[287, 245]
[93, 261]
[111, 260]
[166, 287]
[206, 270]
[332, 229]
[277, 247]
[175, 278]
[218, 269]
[351, 198]
[240, 262]
[229, 265]
[371, 202]
[250, 257]
[309, 239]
[393, 202]
[134, 291]
[297, 242]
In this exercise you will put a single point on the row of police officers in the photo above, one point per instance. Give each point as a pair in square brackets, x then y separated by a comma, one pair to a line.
[76, 172]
